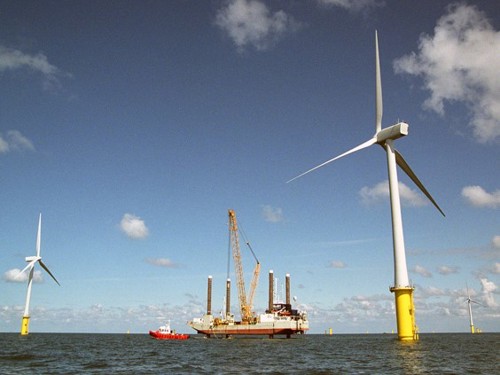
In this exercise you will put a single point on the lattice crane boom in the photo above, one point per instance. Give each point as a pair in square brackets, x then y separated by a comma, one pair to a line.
[238, 267]
[253, 285]
[245, 303]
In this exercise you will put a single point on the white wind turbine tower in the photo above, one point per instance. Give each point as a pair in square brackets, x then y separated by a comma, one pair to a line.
[32, 260]
[405, 311]
[469, 303]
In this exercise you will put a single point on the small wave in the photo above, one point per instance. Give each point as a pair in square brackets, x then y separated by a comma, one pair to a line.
[18, 357]
[96, 365]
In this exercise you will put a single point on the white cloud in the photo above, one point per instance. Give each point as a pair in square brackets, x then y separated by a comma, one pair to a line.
[353, 5]
[354, 314]
[459, 63]
[134, 227]
[101, 318]
[14, 141]
[12, 276]
[358, 308]
[488, 288]
[12, 59]
[161, 262]
[478, 197]
[431, 291]
[250, 22]
[337, 264]
[272, 214]
[447, 270]
[422, 271]
[495, 242]
[4, 146]
[496, 268]
[373, 194]
[380, 191]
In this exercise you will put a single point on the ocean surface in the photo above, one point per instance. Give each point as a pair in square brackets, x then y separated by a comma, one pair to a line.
[47, 353]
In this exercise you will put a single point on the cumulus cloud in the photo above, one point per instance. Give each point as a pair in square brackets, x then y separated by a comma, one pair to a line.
[13, 276]
[251, 23]
[447, 270]
[478, 197]
[12, 59]
[134, 227]
[15, 141]
[354, 5]
[365, 307]
[337, 264]
[103, 318]
[431, 291]
[459, 63]
[272, 214]
[380, 191]
[422, 271]
[161, 262]
[496, 268]
[495, 242]
[488, 288]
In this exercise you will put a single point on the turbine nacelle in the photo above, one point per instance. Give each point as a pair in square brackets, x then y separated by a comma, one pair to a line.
[33, 258]
[392, 132]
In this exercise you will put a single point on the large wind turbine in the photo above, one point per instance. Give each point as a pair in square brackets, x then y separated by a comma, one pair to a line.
[32, 260]
[405, 311]
[470, 302]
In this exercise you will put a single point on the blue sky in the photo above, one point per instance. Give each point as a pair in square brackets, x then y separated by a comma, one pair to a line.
[133, 126]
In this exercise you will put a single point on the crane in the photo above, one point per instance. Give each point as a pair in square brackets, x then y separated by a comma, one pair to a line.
[245, 303]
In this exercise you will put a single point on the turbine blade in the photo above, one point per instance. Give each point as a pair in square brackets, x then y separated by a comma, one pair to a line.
[468, 294]
[357, 148]
[39, 235]
[378, 89]
[30, 265]
[477, 303]
[406, 168]
[50, 273]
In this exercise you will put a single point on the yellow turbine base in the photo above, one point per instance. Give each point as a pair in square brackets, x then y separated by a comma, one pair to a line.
[405, 314]
[472, 330]
[24, 325]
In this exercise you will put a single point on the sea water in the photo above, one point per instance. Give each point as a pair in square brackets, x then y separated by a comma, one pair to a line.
[46, 353]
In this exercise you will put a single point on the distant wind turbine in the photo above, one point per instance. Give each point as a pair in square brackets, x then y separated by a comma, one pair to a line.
[405, 310]
[32, 260]
[470, 302]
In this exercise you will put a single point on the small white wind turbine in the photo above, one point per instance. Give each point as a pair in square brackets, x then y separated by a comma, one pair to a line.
[469, 303]
[32, 260]
[385, 137]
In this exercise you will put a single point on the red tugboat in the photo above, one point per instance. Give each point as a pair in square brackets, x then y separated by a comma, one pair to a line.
[165, 333]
